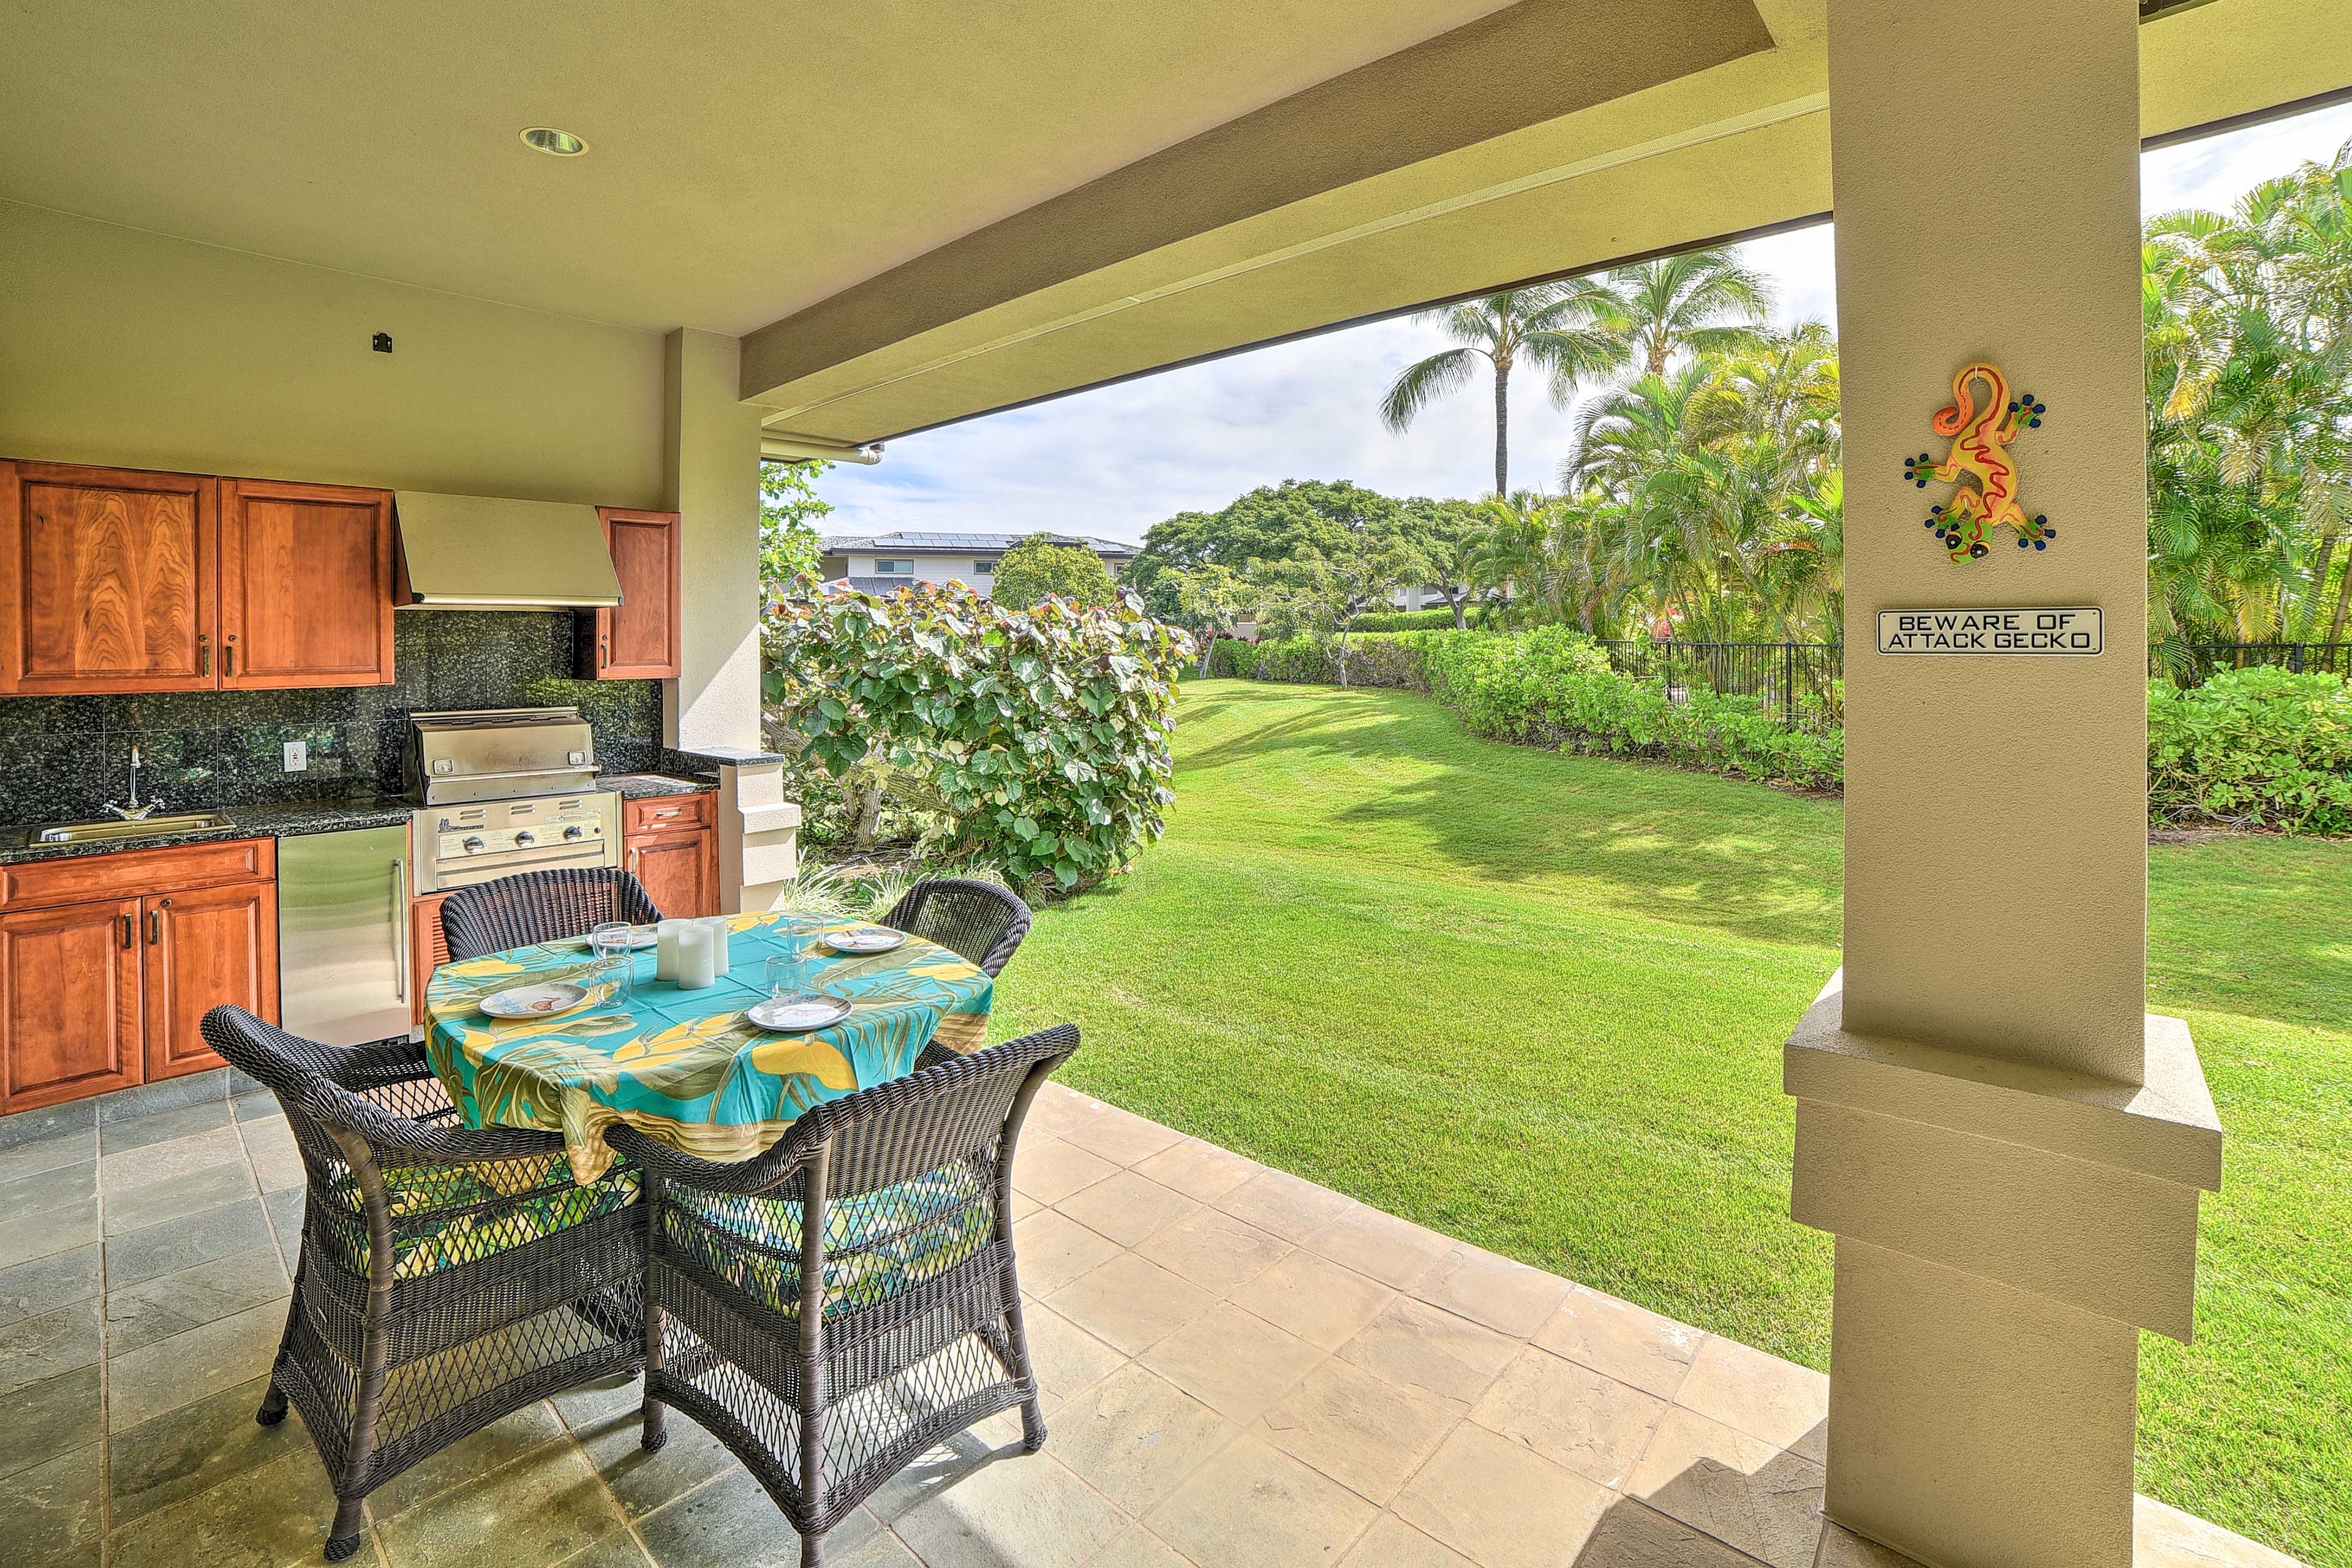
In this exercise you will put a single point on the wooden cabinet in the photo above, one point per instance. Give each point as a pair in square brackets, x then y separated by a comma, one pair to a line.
[69, 1002]
[428, 949]
[106, 580]
[115, 580]
[671, 845]
[639, 641]
[108, 964]
[204, 949]
[305, 585]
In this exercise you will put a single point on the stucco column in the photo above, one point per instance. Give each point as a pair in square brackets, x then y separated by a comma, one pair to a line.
[2008, 1149]
[711, 475]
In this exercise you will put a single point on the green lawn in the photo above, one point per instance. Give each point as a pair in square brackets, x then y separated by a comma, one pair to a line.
[1537, 1000]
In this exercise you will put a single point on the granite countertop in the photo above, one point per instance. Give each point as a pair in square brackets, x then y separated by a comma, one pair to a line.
[637, 786]
[244, 822]
[16, 846]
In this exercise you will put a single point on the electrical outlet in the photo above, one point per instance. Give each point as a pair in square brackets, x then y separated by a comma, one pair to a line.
[298, 756]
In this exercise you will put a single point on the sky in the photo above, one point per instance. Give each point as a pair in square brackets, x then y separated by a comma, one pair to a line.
[1112, 462]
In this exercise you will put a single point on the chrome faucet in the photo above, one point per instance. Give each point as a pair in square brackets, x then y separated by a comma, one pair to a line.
[134, 812]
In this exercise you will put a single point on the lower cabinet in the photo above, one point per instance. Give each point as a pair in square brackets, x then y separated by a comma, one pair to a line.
[670, 843]
[203, 949]
[69, 1002]
[428, 949]
[110, 962]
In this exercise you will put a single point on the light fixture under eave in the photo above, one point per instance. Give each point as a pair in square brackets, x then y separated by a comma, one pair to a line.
[547, 139]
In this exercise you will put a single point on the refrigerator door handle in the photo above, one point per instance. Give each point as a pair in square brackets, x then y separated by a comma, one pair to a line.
[400, 929]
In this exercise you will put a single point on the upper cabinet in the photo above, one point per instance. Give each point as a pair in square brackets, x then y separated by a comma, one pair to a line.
[305, 585]
[116, 580]
[106, 580]
[639, 641]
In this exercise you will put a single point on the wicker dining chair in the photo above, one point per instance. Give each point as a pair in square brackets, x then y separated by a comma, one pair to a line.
[979, 921]
[541, 906]
[833, 1307]
[447, 1277]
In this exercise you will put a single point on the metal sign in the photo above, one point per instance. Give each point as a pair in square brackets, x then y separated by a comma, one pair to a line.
[2077, 632]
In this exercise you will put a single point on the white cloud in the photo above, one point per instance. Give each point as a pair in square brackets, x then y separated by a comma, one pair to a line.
[1115, 461]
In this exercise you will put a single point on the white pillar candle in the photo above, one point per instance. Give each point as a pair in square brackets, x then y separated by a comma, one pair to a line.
[695, 961]
[717, 926]
[666, 948]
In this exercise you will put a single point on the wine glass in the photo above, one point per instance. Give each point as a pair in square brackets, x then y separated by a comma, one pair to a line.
[610, 943]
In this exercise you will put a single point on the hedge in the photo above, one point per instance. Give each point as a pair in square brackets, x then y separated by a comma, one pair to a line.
[2250, 748]
[2261, 747]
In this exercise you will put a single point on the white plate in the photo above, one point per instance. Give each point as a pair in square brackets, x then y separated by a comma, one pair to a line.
[534, 1001]
[864, 939]
[640, 939]
[799, 1013]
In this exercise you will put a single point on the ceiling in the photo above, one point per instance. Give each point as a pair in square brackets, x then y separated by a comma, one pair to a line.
[746, 157]
[914, 212]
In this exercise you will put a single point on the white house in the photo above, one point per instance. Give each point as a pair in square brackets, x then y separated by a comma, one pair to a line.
[878, 563]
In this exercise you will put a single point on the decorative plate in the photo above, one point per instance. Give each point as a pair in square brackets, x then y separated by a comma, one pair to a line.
[534, 1001]
[864, 939]
[640, 939]
[800, 1012]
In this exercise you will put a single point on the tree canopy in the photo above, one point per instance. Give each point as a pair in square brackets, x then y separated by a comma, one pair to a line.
[1038, 569]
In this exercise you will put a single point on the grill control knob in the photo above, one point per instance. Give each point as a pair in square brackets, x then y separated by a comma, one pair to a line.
[472, 846]
[525, 837]
[572, 833]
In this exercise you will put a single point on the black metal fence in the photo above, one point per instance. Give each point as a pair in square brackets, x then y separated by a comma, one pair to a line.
[1797, 679]
[1800, 680]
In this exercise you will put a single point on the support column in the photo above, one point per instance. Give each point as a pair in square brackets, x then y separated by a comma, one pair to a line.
[712, 452]
[2007, 1147]
[711, 467]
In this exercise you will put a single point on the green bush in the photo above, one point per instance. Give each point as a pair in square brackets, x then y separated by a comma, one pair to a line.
[2253, 747]
[1386, 659]
[1042, 733]
[1552, 687]
[1233, 656]
[1438, 620]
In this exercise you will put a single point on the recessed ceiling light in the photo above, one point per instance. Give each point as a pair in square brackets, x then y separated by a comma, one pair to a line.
[547, 139]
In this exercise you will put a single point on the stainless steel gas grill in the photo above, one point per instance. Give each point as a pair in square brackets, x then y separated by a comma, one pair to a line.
[502, 790]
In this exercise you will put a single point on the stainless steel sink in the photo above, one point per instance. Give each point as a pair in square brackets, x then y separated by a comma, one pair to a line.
[148, 828]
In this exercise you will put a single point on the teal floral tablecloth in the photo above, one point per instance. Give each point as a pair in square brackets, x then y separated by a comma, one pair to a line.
[687, 1067]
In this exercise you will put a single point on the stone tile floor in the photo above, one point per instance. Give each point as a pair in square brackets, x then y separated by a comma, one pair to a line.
[1240, 1369]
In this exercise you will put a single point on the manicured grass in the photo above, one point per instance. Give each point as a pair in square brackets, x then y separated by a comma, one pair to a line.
[1537, 1000]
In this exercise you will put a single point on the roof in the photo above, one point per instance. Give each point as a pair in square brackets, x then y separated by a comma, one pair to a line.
[921, 543]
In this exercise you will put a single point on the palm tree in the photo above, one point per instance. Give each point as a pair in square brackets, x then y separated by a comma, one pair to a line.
[1554, 326]
[1702, 302]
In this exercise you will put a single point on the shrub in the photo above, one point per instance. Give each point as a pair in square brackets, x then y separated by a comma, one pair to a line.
[1037, 568]
[1552, 686]
[2261, 746]
[1042, 735]
[1233, 656]
[1438, 620]
[1390, 659]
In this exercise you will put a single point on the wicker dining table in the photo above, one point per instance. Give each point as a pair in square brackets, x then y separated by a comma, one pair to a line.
[689, 1068]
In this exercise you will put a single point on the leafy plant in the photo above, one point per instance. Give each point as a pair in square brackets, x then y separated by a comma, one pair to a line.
[790, 548]
[2253, 747]
[1042, 733]
[1039, 568]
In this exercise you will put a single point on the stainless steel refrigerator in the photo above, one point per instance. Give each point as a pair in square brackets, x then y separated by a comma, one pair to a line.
[342, 934]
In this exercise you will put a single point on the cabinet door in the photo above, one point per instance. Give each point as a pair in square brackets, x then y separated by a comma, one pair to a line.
[429, 950]
[207, 948]
[69, 1019]
[638, 641]
[680, 871]
[106, 580]
[305, 585]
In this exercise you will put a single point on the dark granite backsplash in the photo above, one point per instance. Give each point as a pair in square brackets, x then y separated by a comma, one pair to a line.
[63, 758]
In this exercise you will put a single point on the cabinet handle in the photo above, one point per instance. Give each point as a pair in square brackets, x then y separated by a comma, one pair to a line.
[204, 653]
[126, 933]
[228, 657]
[154, 927]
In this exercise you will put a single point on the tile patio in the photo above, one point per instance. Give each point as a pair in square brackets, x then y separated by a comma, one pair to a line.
[1240, 1368]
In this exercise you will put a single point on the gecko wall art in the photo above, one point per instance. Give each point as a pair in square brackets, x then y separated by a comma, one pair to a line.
[1979, 463]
